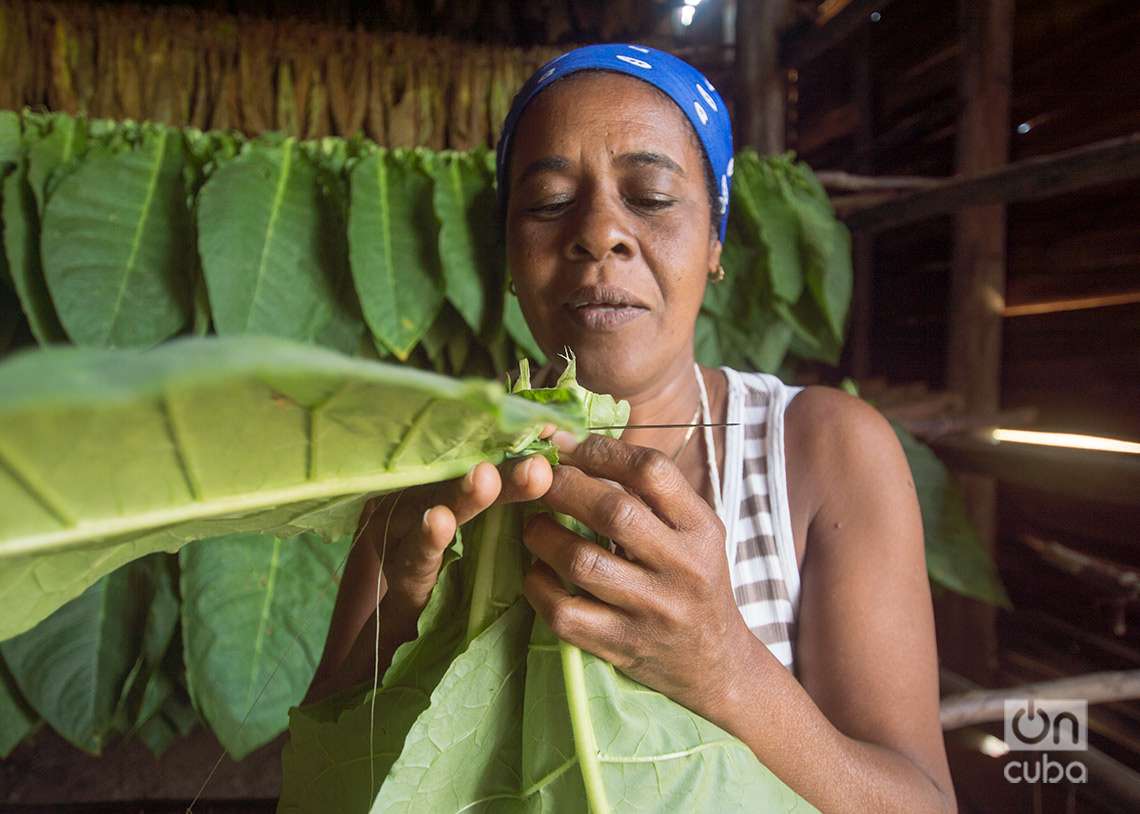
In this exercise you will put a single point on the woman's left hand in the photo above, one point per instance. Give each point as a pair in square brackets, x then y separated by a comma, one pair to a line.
[667, 616]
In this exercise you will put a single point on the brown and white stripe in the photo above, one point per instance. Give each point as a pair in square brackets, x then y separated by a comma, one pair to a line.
[759, 545]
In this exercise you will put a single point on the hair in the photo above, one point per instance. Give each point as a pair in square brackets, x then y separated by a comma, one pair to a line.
[710, 177]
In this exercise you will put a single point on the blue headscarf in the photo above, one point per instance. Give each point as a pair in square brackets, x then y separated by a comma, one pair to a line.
[679, 80]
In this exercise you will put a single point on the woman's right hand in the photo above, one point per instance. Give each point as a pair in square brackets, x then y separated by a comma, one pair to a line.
[401, 541]
[422, 525]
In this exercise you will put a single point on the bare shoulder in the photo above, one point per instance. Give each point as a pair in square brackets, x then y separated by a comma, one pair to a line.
[838, 443]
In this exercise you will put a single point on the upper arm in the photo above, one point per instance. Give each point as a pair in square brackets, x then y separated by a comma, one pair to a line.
[865, 649]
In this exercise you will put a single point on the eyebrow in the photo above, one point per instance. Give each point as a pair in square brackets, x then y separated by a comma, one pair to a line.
[551, 163]
[648, 159]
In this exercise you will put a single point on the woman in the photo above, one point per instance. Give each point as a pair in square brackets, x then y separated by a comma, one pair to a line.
[787, 602]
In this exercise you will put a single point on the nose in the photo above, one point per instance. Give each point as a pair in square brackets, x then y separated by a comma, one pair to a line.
[599, 230]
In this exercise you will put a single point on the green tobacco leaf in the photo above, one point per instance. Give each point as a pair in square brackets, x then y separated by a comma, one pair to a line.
[169, 712]
[767, 221]
[73, 667]
[955, 556]
[204, 437]
[148, 684]
[117, 247]
[271, 238]
[11, 150]
[518, 329]
[469, 247]
[811, 336]
[21, 223]
[629, 748]
[17, 719]
[706, 341]
[391, 237]
[466, 746]
[52, 142]
[825, 246]
[326, 764]
[278, 597]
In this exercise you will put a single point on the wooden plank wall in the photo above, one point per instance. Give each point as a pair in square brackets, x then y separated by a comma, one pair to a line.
[1075, 80]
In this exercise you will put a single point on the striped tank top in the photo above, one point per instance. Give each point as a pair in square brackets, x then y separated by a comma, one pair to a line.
[753, 505]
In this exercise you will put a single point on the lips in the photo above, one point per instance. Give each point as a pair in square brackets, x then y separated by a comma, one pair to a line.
[604, 307]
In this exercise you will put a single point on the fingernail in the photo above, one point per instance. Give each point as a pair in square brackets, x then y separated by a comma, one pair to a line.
[469, 481]
[426, 524]
[565, 441]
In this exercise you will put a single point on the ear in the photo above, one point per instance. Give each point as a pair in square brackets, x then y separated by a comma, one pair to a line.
[715, 249]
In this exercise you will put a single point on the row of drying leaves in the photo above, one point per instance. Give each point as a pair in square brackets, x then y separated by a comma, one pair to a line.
[125, 235]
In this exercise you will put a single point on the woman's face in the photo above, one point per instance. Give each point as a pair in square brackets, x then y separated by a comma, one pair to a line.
[609, 231]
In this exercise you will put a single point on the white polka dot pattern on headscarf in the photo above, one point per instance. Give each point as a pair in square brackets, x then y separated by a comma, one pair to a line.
[704, 117]
[637, 63]
[711, 102]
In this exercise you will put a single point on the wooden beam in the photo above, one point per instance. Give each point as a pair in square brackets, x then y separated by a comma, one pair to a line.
[1072, 304]
[846, 182]
[977, 278]
[801, 45]
[1103, 477]
[1103, 162]
[761, 93]
[983, 706]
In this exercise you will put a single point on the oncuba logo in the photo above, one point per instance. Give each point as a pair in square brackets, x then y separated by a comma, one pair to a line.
[1046, 725]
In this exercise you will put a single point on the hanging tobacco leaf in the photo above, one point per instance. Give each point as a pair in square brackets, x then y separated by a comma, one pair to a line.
[277, 594]
[469, 247]
[271, 239]
[394, 256]
[117, 244]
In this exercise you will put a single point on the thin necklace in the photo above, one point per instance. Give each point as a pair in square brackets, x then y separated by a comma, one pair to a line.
[689, 434]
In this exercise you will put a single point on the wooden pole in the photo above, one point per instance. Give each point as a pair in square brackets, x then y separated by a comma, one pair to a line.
[982, 706]
[761, 96]
[967, 631]
[863, 243]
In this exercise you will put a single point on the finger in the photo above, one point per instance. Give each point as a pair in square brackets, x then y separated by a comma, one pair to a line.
[465, 497]
[586, 564]
[579, 620]
[647, 472]
[525, 479]
[414, 564]
[611, 512]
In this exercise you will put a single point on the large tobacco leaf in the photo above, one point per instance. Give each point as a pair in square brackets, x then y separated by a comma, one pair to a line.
[52, 143]
[469, 244]
[17, 719]
[955, 556]
[204, 437]
[253, 626]
[117, 245]
[613, 745]
[340, 749]
[78, 667]
[21, 224]
[391, 238]
[271, 238]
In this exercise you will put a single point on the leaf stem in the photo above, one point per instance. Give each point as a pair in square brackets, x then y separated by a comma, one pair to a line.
[483, 584]
[585, 739]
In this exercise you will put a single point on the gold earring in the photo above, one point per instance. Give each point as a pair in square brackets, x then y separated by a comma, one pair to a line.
[718, 275]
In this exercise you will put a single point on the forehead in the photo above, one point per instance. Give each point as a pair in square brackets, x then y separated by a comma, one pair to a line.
[603, 108]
